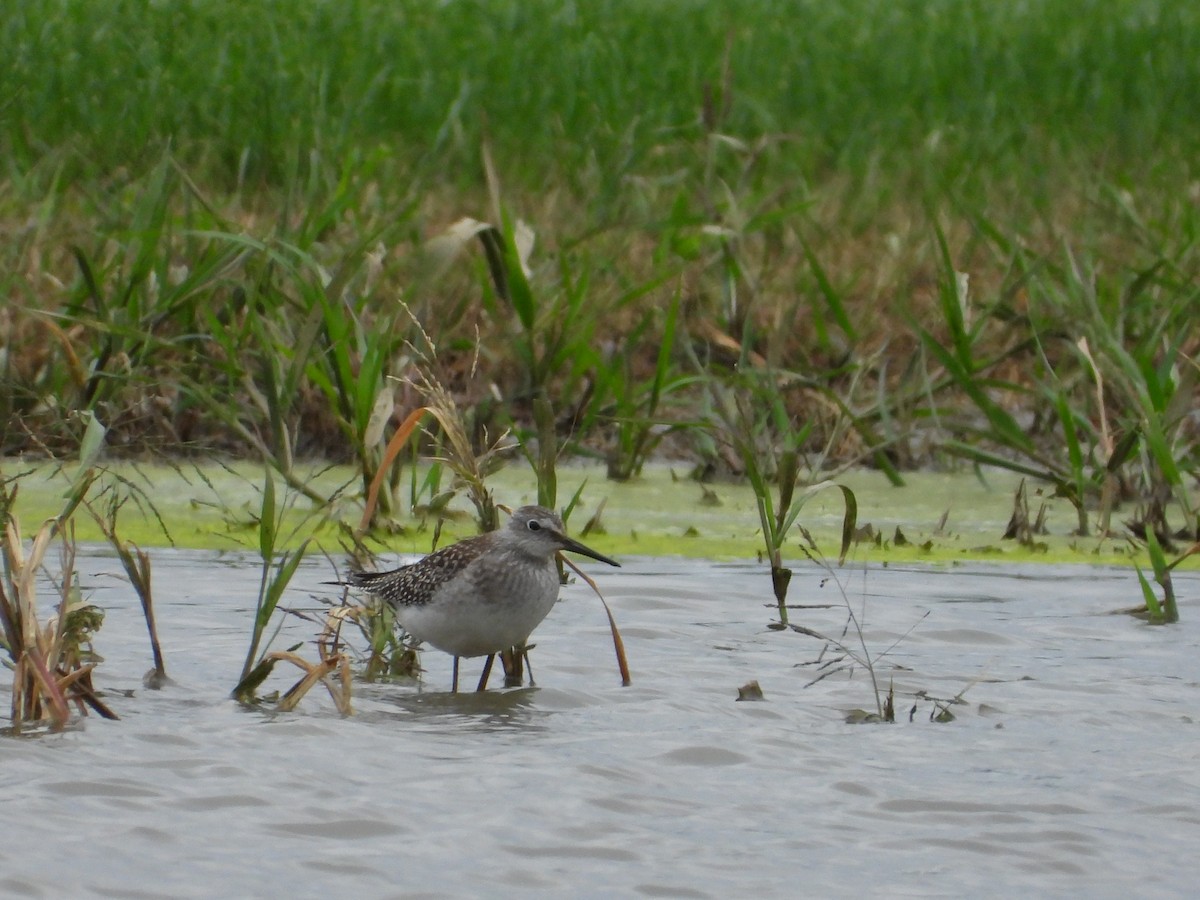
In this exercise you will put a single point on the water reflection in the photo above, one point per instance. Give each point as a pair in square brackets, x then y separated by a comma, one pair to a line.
[487, 711]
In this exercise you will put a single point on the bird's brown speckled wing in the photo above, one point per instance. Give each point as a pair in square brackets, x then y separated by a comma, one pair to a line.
[416, 583]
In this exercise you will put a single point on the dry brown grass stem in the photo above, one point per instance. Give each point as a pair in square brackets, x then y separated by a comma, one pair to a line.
[618, 643]
[50, 661]
[317, 672]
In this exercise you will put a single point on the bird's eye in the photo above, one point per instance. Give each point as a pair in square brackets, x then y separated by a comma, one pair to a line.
[535, 525]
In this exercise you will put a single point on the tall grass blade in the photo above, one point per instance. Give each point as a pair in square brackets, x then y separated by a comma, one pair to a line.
[833, 300]
[1153, 607]
[394, 446]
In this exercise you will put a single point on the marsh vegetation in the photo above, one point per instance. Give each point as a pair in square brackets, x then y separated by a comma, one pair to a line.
[770, 242]
[925, 232]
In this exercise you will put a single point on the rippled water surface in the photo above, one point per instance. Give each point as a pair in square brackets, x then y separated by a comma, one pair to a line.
[1071, 769]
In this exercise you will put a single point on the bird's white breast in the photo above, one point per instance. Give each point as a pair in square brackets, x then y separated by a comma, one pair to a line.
[494, 603]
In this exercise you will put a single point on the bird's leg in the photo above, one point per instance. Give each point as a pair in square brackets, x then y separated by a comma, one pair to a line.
[487, 671]
[528, 665]
[454, 679]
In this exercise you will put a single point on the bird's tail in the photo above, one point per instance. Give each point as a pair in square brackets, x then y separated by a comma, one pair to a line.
[366, 579]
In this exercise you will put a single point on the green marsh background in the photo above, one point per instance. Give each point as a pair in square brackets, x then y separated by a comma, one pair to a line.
[776, 238]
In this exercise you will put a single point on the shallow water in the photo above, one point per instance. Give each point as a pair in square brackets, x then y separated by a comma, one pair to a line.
[1071, 770]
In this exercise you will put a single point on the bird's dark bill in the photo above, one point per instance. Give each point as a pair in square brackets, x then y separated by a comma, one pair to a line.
[576, 547]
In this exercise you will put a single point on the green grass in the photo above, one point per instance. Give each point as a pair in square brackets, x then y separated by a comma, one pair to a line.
[251, 91]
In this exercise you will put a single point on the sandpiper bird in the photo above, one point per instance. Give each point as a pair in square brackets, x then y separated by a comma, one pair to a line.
[484, 594]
